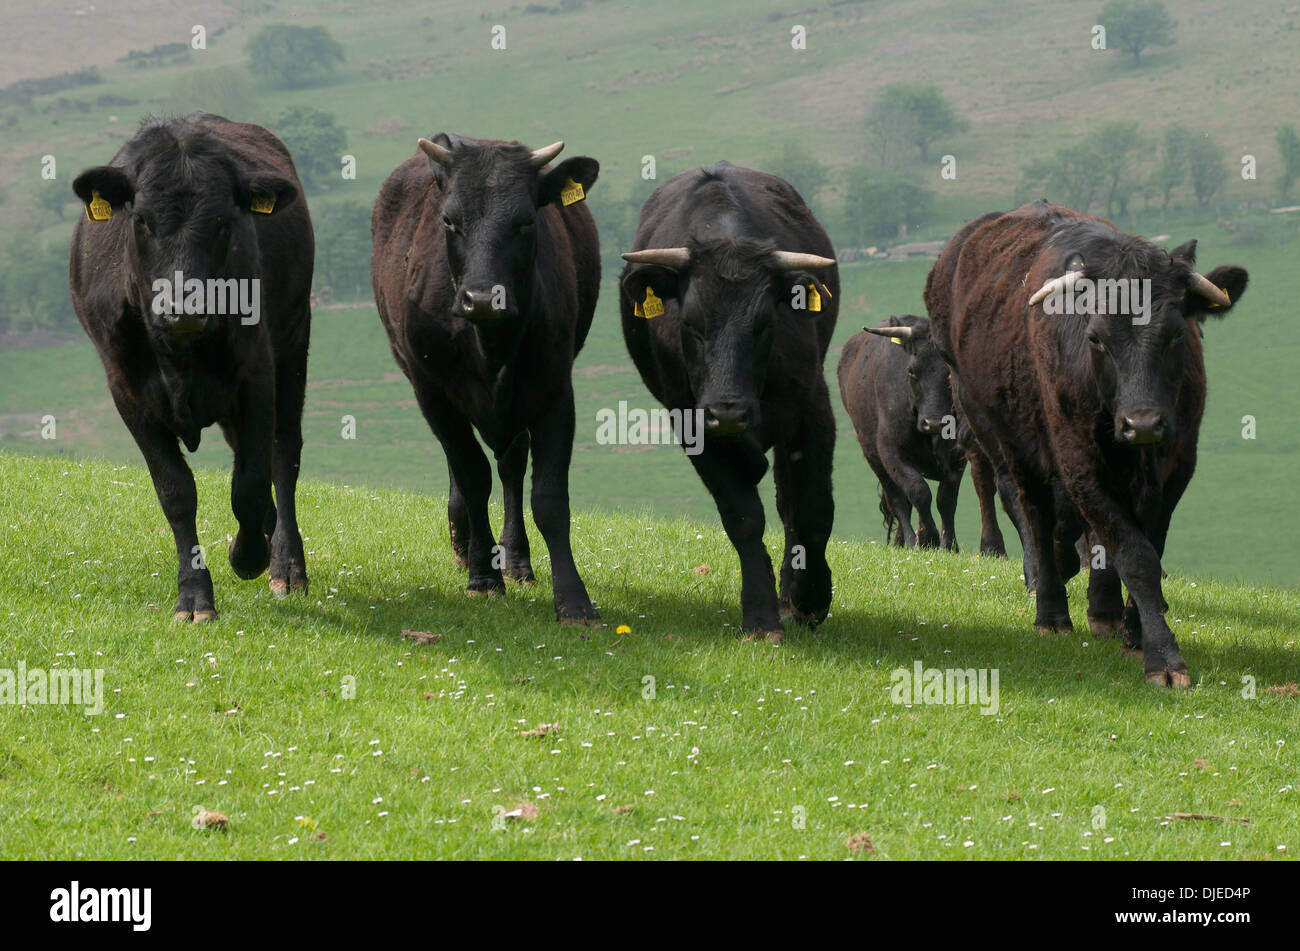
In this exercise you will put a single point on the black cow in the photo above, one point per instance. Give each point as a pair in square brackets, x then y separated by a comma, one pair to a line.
[214, 200]
[900, 403]
[729, 302]
[486, 269]
[1095, 407]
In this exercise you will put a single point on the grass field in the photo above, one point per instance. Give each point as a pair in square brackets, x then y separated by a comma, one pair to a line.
[745, 750]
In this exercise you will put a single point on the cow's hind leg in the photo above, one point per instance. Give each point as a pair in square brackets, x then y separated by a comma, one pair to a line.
[288, 562]
[982, 476]
[514, 536]
[457, 520]
[1105, 596]
[802, 473]
[174, 484]
[552, 439]
[1037, 503]
[250, 482]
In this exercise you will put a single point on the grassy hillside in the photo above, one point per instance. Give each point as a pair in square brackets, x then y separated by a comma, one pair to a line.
[744, 750]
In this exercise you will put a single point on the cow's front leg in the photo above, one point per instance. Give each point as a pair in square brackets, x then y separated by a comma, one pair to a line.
[174, 484]
[514, 536]
[250, 483]
[552, 442]
[914, 487]
[743, 520]
[949, 487]
[802, 473]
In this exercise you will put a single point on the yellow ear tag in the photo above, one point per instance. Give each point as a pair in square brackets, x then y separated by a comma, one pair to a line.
[814, 299]
[572, 192]
[896, 340]
[652, 306]
[263, 206]
[98, 209]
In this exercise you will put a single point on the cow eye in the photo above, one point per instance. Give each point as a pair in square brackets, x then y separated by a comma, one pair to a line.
[1096, 343]
[525, 227]
[142, 227]
[448, 223]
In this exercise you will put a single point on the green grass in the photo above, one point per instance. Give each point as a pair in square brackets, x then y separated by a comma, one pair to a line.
[245, 715]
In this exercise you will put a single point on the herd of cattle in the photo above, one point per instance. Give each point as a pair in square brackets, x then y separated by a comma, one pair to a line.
[486, 269]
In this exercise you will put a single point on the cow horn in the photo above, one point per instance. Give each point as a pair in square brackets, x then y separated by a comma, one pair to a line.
[541, 156]
[1062, 283]
[796, 260]
[902, 333]
[1205, 287]
[439, 153]
[667, 257]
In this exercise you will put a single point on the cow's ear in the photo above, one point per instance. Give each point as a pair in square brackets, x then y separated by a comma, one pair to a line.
[568, 182]
[268, 194]
[111, 185]
[643, 283]
[1228, 278]
[1185, 252]
[806, 288]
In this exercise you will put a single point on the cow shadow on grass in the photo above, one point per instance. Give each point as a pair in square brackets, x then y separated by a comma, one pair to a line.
[670, 622]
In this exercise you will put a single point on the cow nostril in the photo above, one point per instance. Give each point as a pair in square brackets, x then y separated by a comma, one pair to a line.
[1145, 428]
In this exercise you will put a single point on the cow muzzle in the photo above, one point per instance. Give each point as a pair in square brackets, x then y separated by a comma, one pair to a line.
[727, 418]
[485, 304]
[930, 425]
[1146, 428]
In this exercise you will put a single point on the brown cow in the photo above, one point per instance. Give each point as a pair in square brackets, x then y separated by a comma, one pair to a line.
[1076, 351]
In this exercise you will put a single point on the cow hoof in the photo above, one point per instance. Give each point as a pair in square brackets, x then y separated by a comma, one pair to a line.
[1062, 628]
[282, 587]
[589, 621]
[183, 617]
[809, 619]
[1177, 679]
[202, 616]
[1104, 626]
[497, 590]
[774, 636]
[522, 576]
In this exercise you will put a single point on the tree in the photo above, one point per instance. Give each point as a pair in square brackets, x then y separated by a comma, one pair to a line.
[292, 56]
[342, 248]
[315, 140]
[1135, 25]
[914, 114]
[881, 205]
[1172, 171]
[1114, 146]
[225, 91]
[798, 166]
[1071, 177]
[1205, 168]
[1288, 143]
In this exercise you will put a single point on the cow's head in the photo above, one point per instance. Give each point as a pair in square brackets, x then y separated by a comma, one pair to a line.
[928, 383]
[491, 194]
[1136, 353]
[728, 293]
[187, 208]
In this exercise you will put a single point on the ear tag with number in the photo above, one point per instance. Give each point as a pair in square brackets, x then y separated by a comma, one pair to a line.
[814, 299]
[652, 306]
[572, 192]
[263, 205]
[98, 209]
